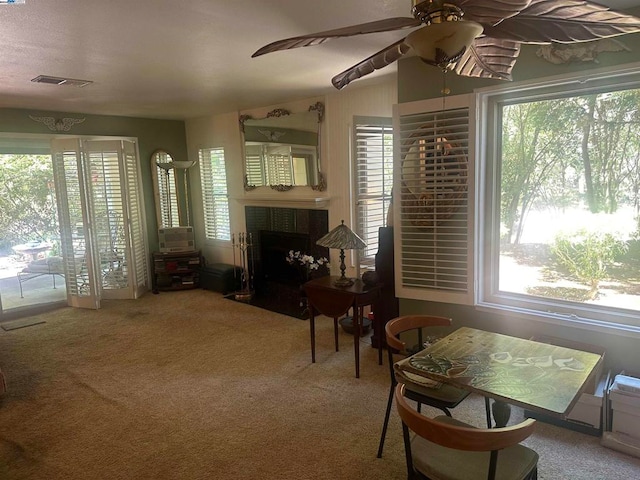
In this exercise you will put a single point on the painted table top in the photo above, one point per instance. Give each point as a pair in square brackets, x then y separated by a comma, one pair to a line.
[544, 377]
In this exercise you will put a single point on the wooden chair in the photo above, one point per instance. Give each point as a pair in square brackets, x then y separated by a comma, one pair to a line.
[443, 397]
[445, 448]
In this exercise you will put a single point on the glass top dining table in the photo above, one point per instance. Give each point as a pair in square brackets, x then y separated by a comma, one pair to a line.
[537, 376]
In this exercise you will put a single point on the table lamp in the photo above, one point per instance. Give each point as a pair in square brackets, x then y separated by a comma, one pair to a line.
[342, 238]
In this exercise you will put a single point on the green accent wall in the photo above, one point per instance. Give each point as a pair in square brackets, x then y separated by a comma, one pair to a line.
[169, 135]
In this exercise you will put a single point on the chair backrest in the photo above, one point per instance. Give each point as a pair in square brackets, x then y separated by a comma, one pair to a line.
[410, 322]
[457, 437]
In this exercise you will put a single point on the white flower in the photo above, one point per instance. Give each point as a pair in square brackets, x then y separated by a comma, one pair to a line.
[307, 260]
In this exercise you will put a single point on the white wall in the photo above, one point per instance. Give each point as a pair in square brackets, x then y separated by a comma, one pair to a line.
[336, 150]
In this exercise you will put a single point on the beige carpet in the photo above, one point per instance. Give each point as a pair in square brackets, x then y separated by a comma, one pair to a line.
[188, 385]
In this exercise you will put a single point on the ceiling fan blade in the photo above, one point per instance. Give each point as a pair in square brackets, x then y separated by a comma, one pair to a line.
[386, 25]
[376, 61]
[489, 58]
[564, 21]
[490, 12]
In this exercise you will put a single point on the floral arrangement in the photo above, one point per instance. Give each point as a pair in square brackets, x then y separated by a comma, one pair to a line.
[307, 261]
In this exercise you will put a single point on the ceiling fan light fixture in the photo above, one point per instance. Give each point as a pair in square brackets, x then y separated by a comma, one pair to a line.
[442, 44]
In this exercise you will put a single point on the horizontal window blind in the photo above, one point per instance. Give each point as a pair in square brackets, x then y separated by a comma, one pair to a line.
[435, 214]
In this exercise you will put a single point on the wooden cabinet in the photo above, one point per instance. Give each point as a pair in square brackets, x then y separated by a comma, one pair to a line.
[176, 271]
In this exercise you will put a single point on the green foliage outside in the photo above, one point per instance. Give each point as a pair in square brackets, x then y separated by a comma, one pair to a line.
[574, 154]
[588, 256]
[570, 152]
[27, 201]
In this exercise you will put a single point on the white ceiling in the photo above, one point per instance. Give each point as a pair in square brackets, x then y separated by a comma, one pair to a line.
[178, 59]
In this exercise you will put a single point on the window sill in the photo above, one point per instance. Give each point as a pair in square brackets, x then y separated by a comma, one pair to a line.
[563, 320]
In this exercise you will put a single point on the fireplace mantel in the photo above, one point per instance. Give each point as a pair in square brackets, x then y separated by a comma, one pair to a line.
[283, 201]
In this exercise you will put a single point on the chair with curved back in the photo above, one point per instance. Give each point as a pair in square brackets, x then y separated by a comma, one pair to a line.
[445, 448]
[442, 397]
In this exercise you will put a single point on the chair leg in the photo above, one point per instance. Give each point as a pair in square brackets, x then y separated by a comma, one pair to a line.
[407, 452]
[487, 407]
[387, 414]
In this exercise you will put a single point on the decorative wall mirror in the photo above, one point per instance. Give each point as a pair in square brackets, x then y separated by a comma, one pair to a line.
[282, 150]
[165, 188]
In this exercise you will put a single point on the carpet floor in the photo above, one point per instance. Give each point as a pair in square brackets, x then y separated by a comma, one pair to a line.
[189, 385]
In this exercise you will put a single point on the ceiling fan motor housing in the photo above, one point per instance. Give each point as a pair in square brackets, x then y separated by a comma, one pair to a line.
[436, 11]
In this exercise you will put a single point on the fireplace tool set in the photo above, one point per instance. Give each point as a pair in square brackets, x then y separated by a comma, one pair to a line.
[243, 247]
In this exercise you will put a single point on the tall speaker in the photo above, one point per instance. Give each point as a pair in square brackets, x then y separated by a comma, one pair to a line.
[386, 307]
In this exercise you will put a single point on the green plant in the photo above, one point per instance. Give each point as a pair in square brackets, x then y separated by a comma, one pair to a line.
[587, 255]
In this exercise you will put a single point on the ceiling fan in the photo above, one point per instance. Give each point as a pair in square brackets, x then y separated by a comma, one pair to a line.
[475, 38]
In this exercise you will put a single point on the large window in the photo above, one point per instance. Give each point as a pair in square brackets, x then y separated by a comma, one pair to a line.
[215, 197]
[374, 179]
[560, 214]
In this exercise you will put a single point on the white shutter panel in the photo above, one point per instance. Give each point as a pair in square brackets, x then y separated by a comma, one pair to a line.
[167, 193]
[374, 179]
[215, 196]
[139, 275]
[279, 167]
[253, 165]
[117, 217]
[433, 200]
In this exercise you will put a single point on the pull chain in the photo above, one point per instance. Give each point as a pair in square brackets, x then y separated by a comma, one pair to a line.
[445, 90]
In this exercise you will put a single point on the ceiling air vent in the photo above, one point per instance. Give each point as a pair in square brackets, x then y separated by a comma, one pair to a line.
[60, 81]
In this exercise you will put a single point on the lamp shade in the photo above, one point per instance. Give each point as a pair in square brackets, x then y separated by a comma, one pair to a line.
[166, 166]
[183, 164]
[341, 237]
[443, 43]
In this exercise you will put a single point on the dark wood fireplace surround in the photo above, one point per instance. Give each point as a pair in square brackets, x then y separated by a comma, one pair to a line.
[275, 232]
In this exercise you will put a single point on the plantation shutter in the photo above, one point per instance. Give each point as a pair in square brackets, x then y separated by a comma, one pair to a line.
[215, 197]
[77, 242]
[279, 167]
[136, 233]
[253, 165]
[433, 200]
[374, 180]
[165, 186]
[101, 219]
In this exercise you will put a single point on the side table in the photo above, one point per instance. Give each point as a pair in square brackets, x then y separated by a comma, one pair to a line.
[326, 299]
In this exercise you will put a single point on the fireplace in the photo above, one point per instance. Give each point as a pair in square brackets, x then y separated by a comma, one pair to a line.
[276, 231]
[274, 250]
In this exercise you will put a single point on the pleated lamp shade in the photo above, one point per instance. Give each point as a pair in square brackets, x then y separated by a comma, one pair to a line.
[342, 238]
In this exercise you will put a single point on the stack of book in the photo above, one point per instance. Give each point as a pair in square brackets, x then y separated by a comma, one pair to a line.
[623, 415]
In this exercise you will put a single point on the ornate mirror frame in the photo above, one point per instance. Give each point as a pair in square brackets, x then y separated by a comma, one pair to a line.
[273, 136]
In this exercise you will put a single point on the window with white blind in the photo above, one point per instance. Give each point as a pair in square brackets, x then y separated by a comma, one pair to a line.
[374, 180]
[215, 197]
[559, 223]
[433, 228]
